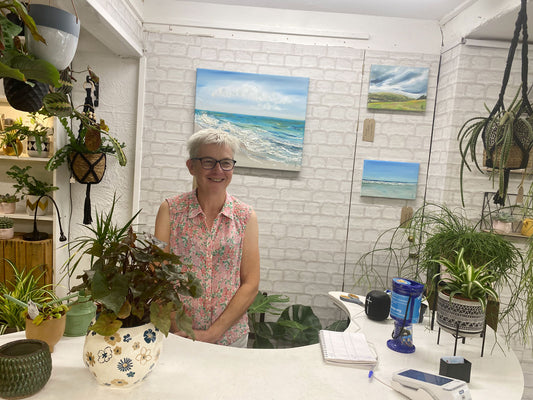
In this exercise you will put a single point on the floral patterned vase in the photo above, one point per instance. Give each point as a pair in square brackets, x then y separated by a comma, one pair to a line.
[124, 359]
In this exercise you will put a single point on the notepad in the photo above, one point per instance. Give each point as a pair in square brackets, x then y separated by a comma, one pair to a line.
[346, 348]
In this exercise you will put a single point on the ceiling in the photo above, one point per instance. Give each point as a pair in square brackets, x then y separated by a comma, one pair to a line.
[499, 28]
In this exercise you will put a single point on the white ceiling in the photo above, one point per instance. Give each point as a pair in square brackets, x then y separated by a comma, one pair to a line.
[499, 28]
[388, 8]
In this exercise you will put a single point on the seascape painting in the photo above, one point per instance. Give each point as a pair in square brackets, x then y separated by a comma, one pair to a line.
[398, 88]
[265, 112]
[396, 180]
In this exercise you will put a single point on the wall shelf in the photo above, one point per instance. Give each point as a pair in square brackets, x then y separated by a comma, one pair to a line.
[514, 210]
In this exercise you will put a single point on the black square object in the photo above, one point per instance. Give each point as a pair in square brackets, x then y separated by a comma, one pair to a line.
[457, 371]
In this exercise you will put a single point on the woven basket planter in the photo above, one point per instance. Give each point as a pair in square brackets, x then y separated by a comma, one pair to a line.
[87, 167]
[25, 367]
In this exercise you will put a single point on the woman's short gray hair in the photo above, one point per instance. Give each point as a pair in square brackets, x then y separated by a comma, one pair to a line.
[211, 136]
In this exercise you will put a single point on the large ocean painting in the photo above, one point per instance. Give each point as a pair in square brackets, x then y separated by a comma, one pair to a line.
[398, 88]
[397, 180]
[265, 112]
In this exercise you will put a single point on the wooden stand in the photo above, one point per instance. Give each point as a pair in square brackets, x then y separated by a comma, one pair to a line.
[26, 255]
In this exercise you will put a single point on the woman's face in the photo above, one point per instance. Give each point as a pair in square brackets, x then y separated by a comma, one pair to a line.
[215, 179]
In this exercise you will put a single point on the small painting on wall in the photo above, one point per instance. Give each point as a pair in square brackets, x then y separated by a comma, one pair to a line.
[392, 179]
[265, 112]
[398, 88]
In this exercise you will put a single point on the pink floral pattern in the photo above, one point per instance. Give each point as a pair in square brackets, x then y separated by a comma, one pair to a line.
[213, 255]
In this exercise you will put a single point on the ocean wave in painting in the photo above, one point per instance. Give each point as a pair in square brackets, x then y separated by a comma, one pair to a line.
[264, 139]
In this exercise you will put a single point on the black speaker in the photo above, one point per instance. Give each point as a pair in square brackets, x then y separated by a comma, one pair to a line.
[377, 305]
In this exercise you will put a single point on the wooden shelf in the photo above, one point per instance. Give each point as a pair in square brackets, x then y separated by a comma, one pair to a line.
[24, 157]
[49, 218]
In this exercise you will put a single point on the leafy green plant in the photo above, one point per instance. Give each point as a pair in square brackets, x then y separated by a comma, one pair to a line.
[15, 61]
[297, 325]
[27, 184]
[498, 132]
[462, 279]
[438, 232]
[47, 311]
[24, 286]
[12, 138]
[8, 198]
[131, 278]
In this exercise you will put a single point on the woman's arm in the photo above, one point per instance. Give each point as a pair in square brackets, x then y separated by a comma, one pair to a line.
[247, 291]
[162, 225]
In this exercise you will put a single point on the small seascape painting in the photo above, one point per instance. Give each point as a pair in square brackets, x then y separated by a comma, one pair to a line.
[398, 88]
[265, 112]
[396, 180]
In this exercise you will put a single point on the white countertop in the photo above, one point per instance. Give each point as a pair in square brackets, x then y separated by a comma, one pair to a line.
[196, 370]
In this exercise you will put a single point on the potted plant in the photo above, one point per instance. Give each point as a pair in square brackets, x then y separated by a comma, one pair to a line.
[137, 287]
[437, 232]
[32, 188]
[464, 290]
[38, 140]
[85, 152]
[507, 138]
[12, 141]
[20, 67]
[6, 228]
[25, 286]
[8, 203]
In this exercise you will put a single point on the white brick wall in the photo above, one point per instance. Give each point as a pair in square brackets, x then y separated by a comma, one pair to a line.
[313, 224]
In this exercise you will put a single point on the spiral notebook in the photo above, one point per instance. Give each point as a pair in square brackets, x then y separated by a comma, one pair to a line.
[346, 348]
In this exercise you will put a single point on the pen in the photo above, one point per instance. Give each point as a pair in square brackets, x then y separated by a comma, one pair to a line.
[352, 298]
[370, 374]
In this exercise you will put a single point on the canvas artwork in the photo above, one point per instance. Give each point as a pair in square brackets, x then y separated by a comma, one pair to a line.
[398, 88]
[265, 112]
[397, 180]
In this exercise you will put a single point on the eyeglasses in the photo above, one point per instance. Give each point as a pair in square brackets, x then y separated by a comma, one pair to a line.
[226, 164]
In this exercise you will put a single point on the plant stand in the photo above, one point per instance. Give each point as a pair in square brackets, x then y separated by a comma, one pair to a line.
[457, 336]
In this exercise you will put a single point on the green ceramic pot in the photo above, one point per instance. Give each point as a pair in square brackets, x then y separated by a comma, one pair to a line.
[25, 367]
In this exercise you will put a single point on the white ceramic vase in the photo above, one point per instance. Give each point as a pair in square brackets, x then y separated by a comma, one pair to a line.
[466, 315]
[124, 359]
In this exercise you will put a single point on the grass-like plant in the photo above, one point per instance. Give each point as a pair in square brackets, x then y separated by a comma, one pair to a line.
[24, 286]
[464, 280]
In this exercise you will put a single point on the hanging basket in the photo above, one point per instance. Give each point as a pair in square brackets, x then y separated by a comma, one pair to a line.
[87, 167]
[24, 97]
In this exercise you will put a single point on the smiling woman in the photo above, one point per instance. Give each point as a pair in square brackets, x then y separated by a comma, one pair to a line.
[224, 254]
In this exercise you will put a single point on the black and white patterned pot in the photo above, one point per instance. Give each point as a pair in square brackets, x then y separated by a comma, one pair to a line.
[469, 314]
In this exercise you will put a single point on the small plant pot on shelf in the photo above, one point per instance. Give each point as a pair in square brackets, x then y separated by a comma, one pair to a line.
[8, 208]
[33, 147]
[10, 150]
[31, 205]
[7, 233]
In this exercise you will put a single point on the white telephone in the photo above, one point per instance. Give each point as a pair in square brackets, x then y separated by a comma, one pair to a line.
[418, 385]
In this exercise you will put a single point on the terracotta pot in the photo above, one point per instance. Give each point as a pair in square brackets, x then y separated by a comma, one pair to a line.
[49, 331]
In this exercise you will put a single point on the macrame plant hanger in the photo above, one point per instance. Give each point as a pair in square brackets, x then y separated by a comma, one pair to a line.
[489, 134]
[88, 109]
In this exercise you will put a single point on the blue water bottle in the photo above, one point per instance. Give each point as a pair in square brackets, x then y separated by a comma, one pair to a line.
[405, 309]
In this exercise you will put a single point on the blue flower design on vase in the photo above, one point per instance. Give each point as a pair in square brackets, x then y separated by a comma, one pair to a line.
[127, 338]
[149, 336]
[125, 365]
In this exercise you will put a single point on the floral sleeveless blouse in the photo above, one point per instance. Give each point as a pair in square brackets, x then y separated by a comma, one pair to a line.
[213, 255]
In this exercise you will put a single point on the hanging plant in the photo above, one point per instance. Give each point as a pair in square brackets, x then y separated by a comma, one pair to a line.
[506, 134]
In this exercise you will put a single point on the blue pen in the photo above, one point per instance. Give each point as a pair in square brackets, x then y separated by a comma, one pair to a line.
[370, 374]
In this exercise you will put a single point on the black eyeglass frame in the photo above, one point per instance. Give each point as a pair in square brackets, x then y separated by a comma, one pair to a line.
[201, 159]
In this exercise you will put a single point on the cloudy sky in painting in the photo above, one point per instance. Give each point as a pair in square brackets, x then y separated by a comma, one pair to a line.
[251, 94]
[409, 81]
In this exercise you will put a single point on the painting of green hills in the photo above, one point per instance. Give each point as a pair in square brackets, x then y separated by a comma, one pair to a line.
[398, 88]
